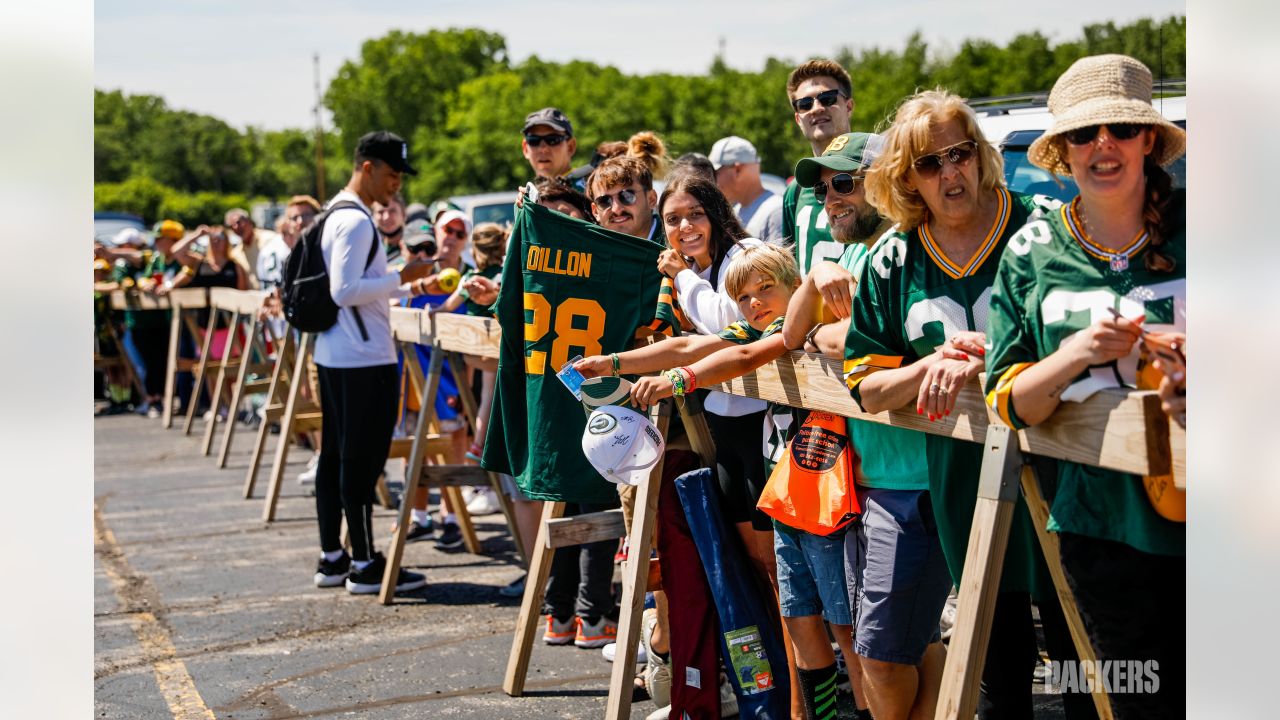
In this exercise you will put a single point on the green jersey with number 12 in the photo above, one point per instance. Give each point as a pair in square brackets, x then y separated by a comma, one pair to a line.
[805, 220]
[568, 288]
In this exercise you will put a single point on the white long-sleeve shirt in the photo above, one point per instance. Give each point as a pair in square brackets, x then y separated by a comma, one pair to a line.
[711, 311]
[348, 235]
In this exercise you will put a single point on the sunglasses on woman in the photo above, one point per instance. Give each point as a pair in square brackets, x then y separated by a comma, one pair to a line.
[625, 197]
[827, 98]
[841, 184]
[550, 140]
[959, 155]
[1118, 131]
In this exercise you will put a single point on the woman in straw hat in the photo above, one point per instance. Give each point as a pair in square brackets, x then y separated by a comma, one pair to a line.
[1073, 297]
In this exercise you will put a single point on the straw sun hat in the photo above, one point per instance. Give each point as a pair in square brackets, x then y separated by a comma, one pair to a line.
[1099, 90]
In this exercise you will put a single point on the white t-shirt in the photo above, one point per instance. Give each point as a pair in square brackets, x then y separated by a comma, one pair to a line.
[711, 311]
[271, 259]
[348, 235]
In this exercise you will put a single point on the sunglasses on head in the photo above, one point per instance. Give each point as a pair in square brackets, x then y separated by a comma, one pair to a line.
[826, 97]
[550, 140]
[959, 154]
[841, 184]
[1118, 131]
[625, 197]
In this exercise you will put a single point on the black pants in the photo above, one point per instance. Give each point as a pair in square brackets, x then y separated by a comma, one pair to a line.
[740, 466]
[152, 344]
[1134, 607]
[581, 580]
[359, 407]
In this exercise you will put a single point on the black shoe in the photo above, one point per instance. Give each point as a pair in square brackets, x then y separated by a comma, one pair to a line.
[331, 573]
[450, 537]
[420, 532]
[369, 580]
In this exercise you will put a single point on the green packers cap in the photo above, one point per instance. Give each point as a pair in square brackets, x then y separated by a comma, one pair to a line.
[846, 153]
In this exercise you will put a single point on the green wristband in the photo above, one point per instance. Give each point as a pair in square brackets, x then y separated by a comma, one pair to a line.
[617, 364]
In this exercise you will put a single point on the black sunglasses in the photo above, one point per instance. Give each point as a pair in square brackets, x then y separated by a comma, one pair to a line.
[550, 140]
[1118, 131]
[626, 197]
[827, 98]
[958, 155]
[841, 184]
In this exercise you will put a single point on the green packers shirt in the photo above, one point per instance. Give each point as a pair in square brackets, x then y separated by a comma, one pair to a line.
[804, 219]
[1052, 283]
[153, 263]
[910, 299]
[568, 288]
[475, 308]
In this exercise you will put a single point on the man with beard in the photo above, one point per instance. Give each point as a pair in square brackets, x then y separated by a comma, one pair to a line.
[820, 92]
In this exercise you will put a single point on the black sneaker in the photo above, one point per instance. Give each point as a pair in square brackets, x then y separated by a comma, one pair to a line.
[331, 573]
[450, 537]
[369, 580]
[420, 532]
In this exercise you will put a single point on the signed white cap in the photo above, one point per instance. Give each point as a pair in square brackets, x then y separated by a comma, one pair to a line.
[621, 444]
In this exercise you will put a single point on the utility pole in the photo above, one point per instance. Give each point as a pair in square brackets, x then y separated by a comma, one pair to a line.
[315, 111]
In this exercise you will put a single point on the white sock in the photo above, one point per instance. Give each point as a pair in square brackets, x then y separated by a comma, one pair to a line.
[450, 519]
[360, 564]
[422, 517]
[331, 556]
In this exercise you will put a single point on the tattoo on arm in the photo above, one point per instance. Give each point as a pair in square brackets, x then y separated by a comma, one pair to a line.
[1055, 392]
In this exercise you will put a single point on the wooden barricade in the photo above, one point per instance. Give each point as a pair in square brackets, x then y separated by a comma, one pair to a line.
[242, 331]
[182, 302]
[119, 360]
[280, 391]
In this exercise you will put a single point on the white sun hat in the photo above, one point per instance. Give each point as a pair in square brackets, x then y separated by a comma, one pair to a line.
[621, 444]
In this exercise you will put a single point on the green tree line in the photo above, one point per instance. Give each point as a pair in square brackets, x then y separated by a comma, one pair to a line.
[461, 102]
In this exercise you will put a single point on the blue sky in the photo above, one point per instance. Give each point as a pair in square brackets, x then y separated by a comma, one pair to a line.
[249, 63]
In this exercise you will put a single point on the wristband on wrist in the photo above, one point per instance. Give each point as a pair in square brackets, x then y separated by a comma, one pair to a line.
[808, 338]
[617, 364]
[677, 382]
[691, 383]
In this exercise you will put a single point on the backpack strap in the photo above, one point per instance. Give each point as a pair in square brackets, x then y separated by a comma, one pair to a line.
[373, 249]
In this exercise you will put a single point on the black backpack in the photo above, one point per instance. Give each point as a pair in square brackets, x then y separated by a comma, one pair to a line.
[304, 292]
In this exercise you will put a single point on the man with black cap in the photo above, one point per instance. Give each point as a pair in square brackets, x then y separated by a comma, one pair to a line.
[356, 360]
[549, 147]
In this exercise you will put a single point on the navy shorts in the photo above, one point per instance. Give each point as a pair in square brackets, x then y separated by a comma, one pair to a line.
[898, 579]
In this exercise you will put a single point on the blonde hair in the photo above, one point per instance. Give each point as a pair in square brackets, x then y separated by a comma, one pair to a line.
[649, 149]
[772, 261]
[908, 139]
[488, 244]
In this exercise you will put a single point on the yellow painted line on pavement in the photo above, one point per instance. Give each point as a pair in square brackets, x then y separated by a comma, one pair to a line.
[176, 686]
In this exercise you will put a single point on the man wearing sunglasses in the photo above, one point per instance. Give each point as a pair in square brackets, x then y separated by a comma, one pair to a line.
[623, 199]
[737, 168]
[549, 147]
[820, 93]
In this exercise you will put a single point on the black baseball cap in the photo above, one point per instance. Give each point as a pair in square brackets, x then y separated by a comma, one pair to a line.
[551, 117]
[387, 147]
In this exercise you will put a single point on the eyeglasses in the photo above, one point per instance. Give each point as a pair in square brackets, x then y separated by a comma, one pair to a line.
[1118, 131]
[456, 232]
[827, 98]
[959, 155]
[550, 140]
[841, 184]
[626, 197]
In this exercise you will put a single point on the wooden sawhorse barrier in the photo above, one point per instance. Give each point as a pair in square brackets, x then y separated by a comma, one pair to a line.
[121, 359]
[241, 307]
[282, 390]
[182, 302]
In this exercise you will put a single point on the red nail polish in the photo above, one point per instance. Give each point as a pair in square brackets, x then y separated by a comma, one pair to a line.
[982, 352]
[919, 411]
[964, 356]
[948, 412]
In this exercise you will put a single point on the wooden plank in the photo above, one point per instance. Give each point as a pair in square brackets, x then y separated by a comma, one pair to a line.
[245, 302]
[238, 392]
[171, 371]
[182, 297]
[278, 374]
[202, 369]
[530, 617]
[1178, 449]
[466, 334]
[406, 325]
[296, 379]
[588, 528]
[215, 398]
[453, 476]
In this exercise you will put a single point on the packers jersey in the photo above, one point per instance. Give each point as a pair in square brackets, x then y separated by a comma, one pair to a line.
[778, 418]
[804, 220]
[910, 298]
[1052, 283]
[568, 288]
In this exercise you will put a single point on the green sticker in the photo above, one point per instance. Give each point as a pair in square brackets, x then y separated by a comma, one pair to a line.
[749, 661]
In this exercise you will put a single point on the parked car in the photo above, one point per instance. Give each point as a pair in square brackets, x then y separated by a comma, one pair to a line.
[107, 224]
[496, 207]
[1012, 123]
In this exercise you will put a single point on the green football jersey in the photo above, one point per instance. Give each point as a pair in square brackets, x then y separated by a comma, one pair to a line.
[568, 288]
[153, 263]
[804, 220]
[778, 418]
[474, 308]
[1052, 283]
[912, 297]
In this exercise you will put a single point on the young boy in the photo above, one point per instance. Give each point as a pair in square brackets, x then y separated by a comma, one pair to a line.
[810, 567]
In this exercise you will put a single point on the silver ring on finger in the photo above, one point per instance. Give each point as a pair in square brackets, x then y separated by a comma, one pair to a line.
[934, 389]
[942, 391]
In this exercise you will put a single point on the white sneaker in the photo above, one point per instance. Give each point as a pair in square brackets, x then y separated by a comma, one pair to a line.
[657, 673]
[610, 651]
[484, 502]
[308, 476]
[947, 622]
[728, 700]
[661, 713]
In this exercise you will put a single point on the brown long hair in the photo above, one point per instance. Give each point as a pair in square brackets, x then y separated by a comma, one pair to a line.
[1156, 198]
[726, 230]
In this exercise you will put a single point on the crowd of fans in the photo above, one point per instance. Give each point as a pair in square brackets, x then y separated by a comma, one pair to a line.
[902, 254]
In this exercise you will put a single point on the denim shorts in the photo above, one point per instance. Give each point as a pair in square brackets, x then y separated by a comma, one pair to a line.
[898, 578]
[811, 575]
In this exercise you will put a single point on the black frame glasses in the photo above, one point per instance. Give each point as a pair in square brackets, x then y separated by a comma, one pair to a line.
[841, 184]
[959, 155]
[627, 197]
[1118, 131]
[550, 140]
[827, 98]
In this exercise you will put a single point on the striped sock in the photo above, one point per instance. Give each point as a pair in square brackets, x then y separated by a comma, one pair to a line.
[819, 690]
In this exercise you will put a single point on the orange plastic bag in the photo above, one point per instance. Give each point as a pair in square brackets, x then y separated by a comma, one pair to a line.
[812, 488]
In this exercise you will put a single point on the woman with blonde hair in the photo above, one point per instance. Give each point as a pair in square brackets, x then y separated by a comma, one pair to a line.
[1081, 300]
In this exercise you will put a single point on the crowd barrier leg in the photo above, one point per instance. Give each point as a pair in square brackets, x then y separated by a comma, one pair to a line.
[297, 378]
[202, 368]
[171, 367]
[529, 619]
[284, 354]
[260, 335]
[219, 385]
